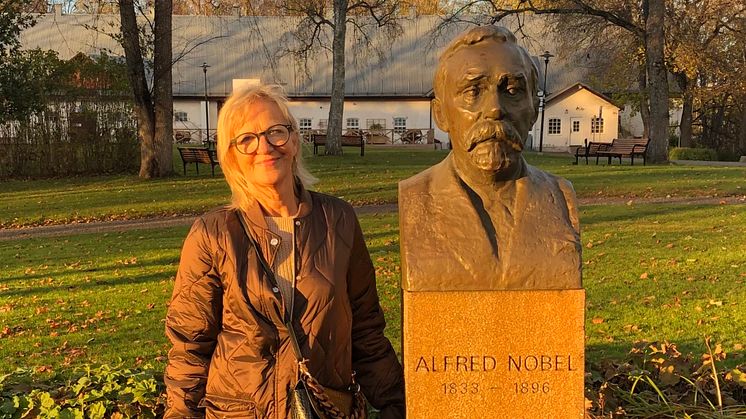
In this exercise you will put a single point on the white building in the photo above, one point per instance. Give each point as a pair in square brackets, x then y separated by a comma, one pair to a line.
[575, 114]
[387, 87]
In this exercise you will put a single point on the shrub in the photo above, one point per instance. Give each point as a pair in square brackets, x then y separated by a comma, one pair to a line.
[685, 153]
[728, 155]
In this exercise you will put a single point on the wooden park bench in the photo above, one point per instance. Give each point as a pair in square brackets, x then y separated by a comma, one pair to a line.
[199, 155]
[627, 148]
[590, 149]
[352, 140]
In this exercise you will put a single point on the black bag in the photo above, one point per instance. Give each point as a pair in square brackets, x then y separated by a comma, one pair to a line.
[301, 406]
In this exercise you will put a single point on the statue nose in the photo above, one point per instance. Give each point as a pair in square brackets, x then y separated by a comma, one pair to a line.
[494, 111]
[494, 107]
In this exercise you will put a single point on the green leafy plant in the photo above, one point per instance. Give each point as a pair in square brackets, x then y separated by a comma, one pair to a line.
[96, 393]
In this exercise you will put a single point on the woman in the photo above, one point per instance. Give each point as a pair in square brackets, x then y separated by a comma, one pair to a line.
[232, 356]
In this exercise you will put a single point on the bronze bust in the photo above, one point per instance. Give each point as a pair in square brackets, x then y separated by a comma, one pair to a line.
[484, 219]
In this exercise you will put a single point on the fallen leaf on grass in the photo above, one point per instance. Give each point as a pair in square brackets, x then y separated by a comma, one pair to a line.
[668, 376]
[644, 275]
[597, 320]
[737, 376]
[631, 328]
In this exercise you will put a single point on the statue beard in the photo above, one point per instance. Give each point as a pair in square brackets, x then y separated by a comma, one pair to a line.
[494, 146]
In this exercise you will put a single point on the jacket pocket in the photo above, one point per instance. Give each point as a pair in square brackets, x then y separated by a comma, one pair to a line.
[218, 407]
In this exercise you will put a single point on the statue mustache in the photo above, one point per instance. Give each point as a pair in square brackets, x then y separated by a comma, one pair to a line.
[496, 132]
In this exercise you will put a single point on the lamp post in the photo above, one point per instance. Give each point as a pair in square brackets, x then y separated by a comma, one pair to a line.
[207, 105]
[546, 55]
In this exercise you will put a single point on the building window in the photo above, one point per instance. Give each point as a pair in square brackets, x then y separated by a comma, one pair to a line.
[400, 124]
[555, 126]
[575, 126]
[304, 124]
[375, 123]
[181, 116]
[353, 123]
[323, 123]
[597, 125]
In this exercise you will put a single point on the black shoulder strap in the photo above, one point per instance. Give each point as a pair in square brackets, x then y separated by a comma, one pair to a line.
[271, 275]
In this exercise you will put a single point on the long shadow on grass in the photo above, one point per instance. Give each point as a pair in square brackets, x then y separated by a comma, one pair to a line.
[92, 268]
[605, 213]
[122, 280]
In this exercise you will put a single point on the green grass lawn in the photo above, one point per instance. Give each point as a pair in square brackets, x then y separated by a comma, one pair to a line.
[655, 272]
[360, 180]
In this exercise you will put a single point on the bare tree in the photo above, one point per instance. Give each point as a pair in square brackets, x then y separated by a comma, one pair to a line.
[318, 17]
[154, 109]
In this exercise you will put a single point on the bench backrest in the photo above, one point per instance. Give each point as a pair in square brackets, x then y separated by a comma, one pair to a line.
[196, 155]
[348, 140]
[629, 145]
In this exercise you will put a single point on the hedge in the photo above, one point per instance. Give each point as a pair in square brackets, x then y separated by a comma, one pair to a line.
[685, 153]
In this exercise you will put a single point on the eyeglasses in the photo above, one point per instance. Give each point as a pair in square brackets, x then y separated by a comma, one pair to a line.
[277, 135]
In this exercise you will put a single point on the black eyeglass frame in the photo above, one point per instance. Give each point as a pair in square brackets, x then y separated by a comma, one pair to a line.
[258, 135]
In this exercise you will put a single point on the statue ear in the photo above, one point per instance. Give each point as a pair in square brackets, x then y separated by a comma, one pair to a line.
[440, 119]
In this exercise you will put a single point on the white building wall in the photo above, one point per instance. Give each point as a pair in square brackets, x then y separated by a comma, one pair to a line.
[416, 112]
[631, 120]
[581, 106]
[196, 118]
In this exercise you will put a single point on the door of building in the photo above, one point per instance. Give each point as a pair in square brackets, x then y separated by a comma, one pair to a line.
[576, 134]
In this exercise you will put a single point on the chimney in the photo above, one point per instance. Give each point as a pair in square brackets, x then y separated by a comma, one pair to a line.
[57, 7]
[236, 10]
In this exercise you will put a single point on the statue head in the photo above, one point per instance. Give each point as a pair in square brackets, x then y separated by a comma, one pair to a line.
[486, 100]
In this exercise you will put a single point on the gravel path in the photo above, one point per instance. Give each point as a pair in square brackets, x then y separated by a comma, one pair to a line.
[160, 222]
[136, 224]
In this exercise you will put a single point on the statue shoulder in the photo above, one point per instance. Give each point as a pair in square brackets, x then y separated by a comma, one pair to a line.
[561, 185]
[424, 182]
[541, 177]
[418, 183]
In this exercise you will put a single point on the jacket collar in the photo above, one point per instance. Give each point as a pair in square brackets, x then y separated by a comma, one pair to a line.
[255, 216]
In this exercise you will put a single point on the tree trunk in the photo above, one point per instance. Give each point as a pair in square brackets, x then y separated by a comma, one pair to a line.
[657, 81]
[685, 125]
[742, 127]
[718, 120]
[163, 102]
[136, 75]
[154, 125]
[642, 82]
[336, 109]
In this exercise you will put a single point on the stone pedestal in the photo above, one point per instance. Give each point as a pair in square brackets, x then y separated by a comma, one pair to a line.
[494, 354]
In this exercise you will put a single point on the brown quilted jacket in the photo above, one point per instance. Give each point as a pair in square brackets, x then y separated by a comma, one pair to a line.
[231, 354]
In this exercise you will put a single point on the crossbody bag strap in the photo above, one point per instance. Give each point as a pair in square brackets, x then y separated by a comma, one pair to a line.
[287, 320]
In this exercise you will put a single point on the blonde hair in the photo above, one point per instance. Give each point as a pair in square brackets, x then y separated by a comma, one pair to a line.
[232, 117]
